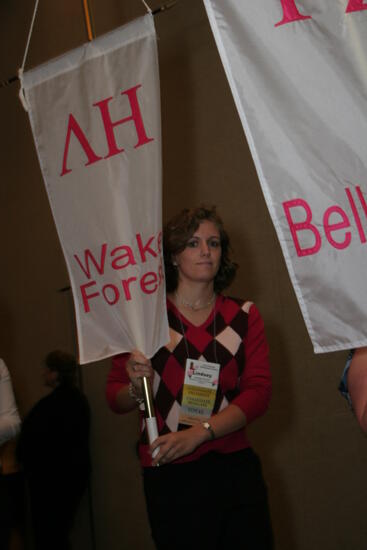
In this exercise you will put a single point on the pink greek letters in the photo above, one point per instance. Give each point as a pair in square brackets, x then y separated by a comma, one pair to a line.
[135, 117]
[356, 5]
[291, 12]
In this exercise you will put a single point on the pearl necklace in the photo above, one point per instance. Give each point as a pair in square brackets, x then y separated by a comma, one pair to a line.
[194, 306]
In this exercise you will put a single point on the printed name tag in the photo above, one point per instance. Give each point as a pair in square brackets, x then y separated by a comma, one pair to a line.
[199, 392]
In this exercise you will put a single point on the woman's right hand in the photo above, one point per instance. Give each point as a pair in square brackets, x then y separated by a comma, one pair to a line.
[138, 366]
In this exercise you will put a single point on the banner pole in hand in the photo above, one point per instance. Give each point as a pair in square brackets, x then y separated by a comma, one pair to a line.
[150, 417]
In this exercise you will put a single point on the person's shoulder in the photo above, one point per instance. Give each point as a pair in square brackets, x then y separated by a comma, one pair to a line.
[234, 304]
[76, 400]
[71, 390]
[236, 311]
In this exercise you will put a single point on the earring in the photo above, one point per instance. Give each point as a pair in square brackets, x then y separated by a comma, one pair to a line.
[174, 263]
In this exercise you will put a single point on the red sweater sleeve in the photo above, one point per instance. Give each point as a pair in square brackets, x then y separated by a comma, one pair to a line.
[255, 382]
[117, 378]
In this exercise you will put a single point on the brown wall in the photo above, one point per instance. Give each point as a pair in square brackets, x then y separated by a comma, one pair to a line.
[313, 453]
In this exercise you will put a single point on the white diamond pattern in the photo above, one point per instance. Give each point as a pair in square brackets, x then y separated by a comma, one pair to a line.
[156, 382]
[172, 418]
[230, 340]
[174, 340]
[224, 403]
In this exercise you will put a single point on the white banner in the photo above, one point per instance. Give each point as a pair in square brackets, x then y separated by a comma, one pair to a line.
[95, 116]
[298, 74]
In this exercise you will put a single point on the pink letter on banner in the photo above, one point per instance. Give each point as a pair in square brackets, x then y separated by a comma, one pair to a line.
[290, 13]
[88, 256]
[356, 5]
[362, 200]
[150, 279]
[144, 249]
[73, 126]
[135, 117]
[86, 297]
[362, 235]
[330, 227]
[301, 226]
[115, 294]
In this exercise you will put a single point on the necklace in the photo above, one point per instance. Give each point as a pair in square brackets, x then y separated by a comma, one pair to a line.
[196, 305]
[214, 334]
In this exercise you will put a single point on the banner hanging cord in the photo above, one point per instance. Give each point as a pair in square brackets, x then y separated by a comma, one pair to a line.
[147, 7]
[29, 37]
[14, 78]
[21, 70]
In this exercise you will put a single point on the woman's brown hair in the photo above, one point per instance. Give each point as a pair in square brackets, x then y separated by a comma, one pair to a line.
[176, 235]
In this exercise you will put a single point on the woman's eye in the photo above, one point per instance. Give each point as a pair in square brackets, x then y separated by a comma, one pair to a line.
[192, 244]
[214, 244]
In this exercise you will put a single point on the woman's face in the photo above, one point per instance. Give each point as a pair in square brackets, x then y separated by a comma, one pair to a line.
[200, 260]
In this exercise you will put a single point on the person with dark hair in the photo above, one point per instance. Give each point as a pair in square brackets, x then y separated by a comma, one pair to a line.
[209, 382]
[54, 450]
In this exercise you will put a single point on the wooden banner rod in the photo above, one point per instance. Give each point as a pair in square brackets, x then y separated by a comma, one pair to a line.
[88, 20]
[164, 7]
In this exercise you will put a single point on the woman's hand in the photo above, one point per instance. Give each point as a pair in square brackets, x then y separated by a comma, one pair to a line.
[138, 366]
[177, 444]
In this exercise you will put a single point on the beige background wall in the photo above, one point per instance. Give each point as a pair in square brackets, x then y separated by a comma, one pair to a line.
[313, 453]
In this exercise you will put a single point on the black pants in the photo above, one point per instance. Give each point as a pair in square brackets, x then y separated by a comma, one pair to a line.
[54, 502]
[217, 502]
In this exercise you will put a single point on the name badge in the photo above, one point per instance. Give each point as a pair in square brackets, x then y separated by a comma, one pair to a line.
[199, 391]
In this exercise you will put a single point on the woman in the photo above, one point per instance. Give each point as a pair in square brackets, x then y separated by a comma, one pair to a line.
[209, 382]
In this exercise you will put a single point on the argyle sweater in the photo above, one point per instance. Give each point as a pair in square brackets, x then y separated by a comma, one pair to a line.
[231, 337]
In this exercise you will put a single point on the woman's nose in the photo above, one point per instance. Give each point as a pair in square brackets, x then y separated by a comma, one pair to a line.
[204, 250]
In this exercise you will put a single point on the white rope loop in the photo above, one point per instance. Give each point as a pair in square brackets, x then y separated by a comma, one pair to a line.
[147, 7]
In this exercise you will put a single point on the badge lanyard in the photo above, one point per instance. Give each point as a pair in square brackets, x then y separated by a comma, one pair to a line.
[200, 384]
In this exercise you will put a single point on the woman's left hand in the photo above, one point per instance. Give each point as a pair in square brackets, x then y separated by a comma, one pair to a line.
[177, 444]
